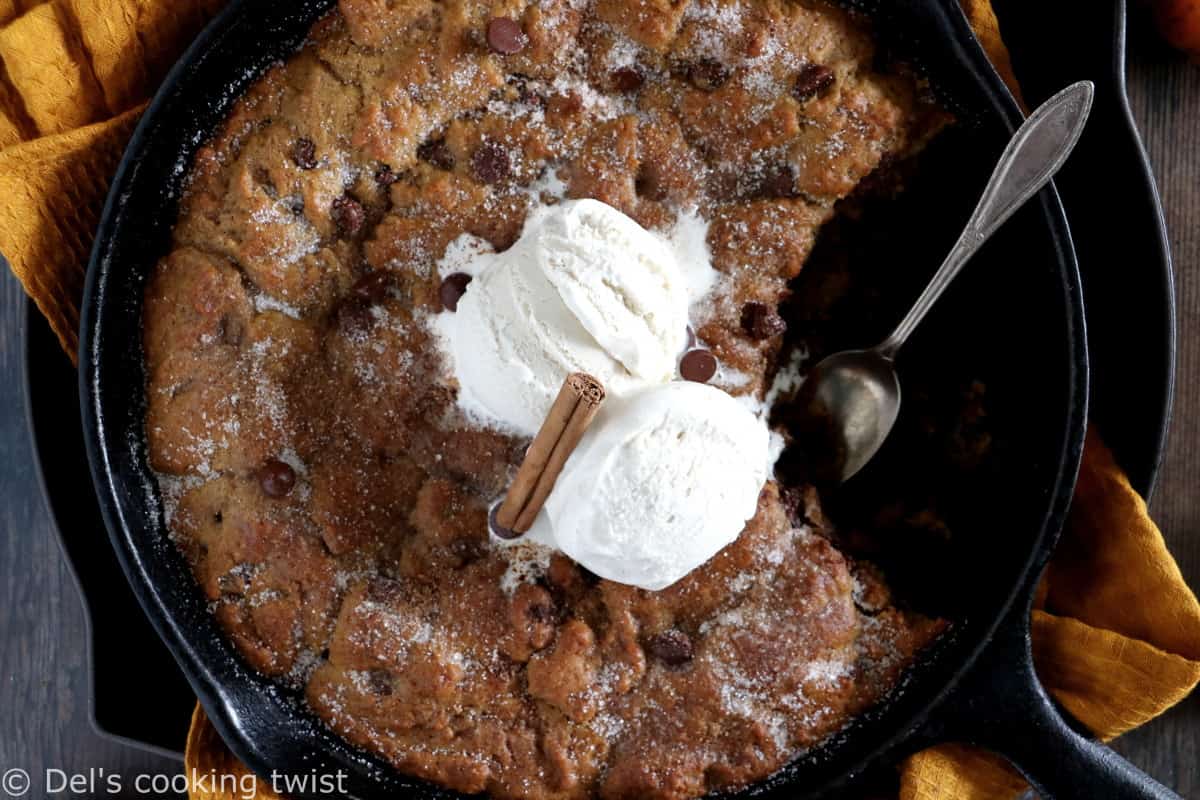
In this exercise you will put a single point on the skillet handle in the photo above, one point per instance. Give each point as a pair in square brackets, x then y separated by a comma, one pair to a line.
[1001, 706]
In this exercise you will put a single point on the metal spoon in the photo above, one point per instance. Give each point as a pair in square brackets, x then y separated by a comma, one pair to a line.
[851, 399]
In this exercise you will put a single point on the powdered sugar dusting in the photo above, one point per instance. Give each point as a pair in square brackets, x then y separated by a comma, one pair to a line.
[264, 302]
[688, 239]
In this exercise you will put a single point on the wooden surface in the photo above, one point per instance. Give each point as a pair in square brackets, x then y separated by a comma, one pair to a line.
[1165, 95]
[43, 675]
[44, 685]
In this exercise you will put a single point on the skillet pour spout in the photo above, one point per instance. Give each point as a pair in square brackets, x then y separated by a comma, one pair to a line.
[976, 686]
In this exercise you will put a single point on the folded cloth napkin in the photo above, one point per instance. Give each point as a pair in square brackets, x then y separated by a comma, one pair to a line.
[1117, 631]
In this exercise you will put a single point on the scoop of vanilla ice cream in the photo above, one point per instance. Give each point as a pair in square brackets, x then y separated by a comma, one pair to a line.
[619, 280]
[661, 482]
[585, 289]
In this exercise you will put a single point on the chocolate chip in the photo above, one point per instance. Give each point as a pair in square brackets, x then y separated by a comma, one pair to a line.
[505, 36]
[354, 315]
[496, 528]
[348, 215]
[379, 681]
[385, 176]
[672, 647]
[276, 478]
[779, 183]
[541, 612]
[373, 287]
[707, 74]
[648, 185]
[304, 153]
[759, 321]
[698, 365]
[437, 153]
[627, 79]
[490, 162]
[452, 290]
[467, 550]
[811, 81]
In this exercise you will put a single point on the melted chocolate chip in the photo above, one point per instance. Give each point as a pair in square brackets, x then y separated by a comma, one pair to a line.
[349, 215]
[627, 79]
[759, 321]
[452, 290]
[648, 185]
[811, 81]
[505, 36]
[304, 153]
[490, 163]
[672, 647]
[698, 365]
[497, 529]
[276, 478]
[379, 681]
[437, 153]
[385, 176]
[354, 315]
[373, 287]
[467, 550]
[780, 183]
[707, 74]
[541, 612]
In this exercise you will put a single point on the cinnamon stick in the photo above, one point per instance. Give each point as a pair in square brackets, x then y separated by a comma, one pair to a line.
[569, 417]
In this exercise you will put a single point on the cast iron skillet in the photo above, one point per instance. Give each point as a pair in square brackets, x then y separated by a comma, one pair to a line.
[1022, 308]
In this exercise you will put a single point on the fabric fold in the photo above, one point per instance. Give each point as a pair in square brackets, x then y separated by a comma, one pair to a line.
[52, 190]
[47, 67]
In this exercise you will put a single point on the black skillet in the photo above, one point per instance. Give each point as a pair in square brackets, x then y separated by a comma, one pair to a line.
[1019, 309]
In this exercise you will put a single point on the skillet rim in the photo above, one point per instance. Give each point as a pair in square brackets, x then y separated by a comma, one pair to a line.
[183, 640]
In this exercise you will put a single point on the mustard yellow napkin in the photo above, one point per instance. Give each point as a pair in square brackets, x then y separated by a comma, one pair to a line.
[74, 75]
[1116, 638]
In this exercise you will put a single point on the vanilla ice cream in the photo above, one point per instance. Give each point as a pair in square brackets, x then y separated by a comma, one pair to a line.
[585, 289]
[661, 482]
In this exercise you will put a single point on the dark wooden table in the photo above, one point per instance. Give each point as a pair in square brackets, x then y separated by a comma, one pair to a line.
[1165, 95]
[43, 671]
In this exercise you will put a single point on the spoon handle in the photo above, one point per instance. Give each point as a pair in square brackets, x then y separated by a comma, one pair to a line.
[1037, 150]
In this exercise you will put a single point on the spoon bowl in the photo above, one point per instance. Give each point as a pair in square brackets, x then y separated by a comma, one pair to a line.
[849, 403]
